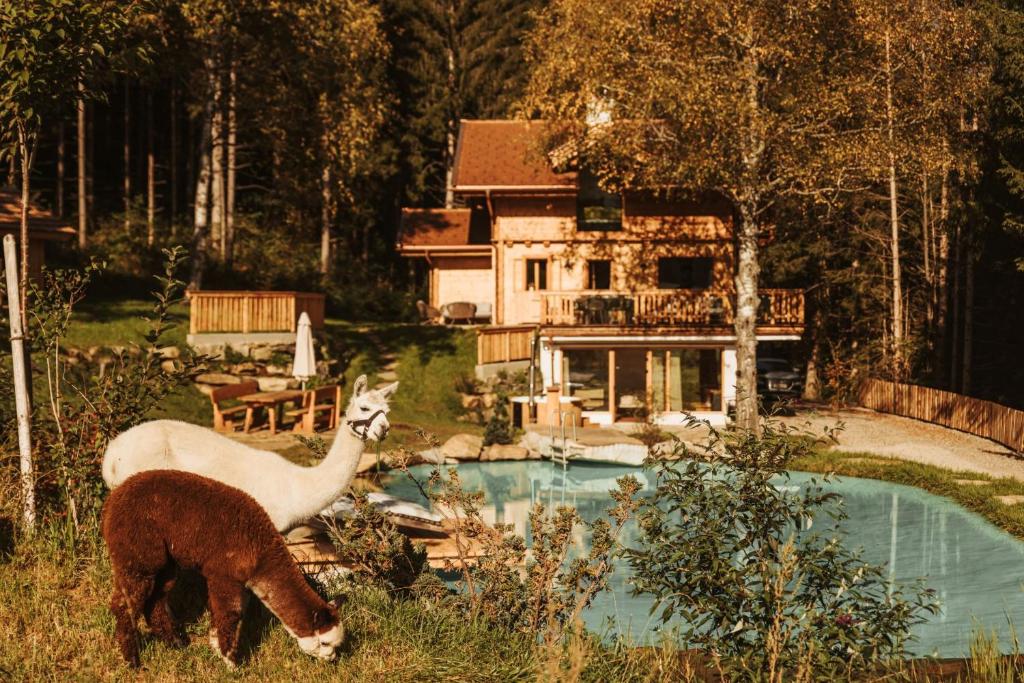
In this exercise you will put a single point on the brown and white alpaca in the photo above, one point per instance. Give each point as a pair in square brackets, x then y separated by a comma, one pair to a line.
[160, 520]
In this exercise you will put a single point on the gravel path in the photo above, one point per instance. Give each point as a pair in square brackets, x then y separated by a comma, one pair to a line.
[902, 438]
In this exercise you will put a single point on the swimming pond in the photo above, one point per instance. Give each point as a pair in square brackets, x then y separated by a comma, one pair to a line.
[976, 569]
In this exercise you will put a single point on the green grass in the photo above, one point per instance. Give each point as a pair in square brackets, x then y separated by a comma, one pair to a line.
[979, 498]
[430, 359]
[117, 323]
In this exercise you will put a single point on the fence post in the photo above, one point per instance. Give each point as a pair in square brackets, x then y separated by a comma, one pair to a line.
[21, 402]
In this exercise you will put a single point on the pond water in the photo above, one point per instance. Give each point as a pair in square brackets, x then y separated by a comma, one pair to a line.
[975, 568]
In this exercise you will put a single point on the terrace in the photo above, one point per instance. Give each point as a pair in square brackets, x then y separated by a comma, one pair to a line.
[780, 309]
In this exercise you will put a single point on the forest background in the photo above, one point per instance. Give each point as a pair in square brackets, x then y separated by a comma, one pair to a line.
[279, 139]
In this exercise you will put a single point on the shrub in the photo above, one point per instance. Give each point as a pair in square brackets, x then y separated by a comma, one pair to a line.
[727, 547]
[76, 412]
[498, 429]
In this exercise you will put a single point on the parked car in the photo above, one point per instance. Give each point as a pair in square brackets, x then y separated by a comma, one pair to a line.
[778, 380]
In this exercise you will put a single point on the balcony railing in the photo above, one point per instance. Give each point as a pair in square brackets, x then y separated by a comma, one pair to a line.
[667, 307]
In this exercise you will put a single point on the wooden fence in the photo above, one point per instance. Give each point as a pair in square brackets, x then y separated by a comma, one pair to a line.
[1000, 423]
[503, 344]
[252, 311]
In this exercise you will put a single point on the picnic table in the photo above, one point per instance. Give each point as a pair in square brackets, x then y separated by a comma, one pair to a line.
[271, 400]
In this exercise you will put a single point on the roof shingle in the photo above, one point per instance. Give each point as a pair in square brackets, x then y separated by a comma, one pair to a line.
[434, 227]
[504, 154]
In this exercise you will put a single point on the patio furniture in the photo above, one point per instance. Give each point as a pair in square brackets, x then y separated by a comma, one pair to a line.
[459, 310]
[318, 405]
[224, 417]
[593, 310]
[271, 400]
[428, 314]
[716, 310]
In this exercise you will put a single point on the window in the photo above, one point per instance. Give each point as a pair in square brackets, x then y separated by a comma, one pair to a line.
[595, 208]
[599, 274]
[585, 376]
[684, 273]
[536, 274]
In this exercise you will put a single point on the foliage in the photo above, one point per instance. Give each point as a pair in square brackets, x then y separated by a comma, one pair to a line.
[546, 598]
[80, 412]
[499, 428]
[758, 572]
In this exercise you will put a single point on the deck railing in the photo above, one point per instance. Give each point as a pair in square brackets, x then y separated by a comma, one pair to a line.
[503, 344]
[221, 311]
[702, 307]
[999, 423]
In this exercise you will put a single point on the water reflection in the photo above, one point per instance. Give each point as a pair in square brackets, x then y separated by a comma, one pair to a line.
[971, 565]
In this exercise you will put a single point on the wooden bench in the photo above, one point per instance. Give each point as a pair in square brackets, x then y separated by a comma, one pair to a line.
[318, 405]
[224, 418]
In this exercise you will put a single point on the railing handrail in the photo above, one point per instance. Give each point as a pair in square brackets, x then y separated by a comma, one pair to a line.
[227, 293]
[246, 311]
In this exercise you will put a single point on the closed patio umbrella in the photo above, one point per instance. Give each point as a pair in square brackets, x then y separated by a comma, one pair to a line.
[304, 366]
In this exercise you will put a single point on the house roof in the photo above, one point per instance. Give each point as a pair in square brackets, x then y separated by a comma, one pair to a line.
[505, 155]
[434, 227]
[41, 224]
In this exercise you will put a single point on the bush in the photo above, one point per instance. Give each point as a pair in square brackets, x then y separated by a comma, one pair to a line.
[727, 547]
[77, 412]
[499, 428]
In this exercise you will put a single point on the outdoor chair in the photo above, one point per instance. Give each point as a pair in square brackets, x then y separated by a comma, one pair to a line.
[459, 310]
[224, 419]
[428, 314]
[319, 406]
[716, 310]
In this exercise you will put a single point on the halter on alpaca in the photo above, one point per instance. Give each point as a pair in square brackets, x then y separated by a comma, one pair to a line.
[366, 423]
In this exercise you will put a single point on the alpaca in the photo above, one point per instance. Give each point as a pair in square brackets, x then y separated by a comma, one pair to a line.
[161, 520]
[288, 492]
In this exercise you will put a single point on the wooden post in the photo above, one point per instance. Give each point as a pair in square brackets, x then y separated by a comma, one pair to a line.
[21, 401]
[611, 384]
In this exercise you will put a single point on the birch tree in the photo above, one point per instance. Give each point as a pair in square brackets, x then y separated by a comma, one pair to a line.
[49, 49]
[735, 97]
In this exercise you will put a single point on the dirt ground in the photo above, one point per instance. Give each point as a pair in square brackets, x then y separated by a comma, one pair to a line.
[906, 439]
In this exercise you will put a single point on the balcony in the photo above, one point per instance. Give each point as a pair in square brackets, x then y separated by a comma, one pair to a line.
[780, 308]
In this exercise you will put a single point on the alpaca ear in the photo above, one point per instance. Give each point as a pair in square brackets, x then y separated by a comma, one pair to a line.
[359, 386]
[388, 391]
[323, 618]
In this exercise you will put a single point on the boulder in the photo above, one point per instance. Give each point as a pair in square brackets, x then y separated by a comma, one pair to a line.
[496, 452]
[463, 447]
[168, 365]
[471, 402]
[277, 383]
[262, 353]
[205, 388]
[218, 378]
[170, 353]
[246, 368]
[489, 399]
[272, 369]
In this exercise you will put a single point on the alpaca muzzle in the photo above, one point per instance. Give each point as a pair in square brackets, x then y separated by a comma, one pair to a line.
[365, 424]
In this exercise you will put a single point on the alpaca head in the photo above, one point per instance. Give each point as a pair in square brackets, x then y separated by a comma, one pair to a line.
[367, 412]
[326, 637]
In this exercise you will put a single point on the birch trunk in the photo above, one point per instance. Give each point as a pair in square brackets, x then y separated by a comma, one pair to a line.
[217, 165]
[127, 157]
[942, 272]
[326, 203]
[897, 285]
[60, 170]
[25, 149]
[201, 221]
[150, 173]
[452, 122]
[746, 319]
[83, 207]
[232, 164]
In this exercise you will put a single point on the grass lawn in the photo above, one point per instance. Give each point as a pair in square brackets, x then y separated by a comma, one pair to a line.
[429, 359]
[979, 497]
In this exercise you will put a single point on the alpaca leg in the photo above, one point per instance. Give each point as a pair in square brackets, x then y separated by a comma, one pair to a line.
[225, 617]
[130, 594]
[158, 613]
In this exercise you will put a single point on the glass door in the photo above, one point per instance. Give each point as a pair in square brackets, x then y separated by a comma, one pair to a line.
[630, 384]
[686, 379]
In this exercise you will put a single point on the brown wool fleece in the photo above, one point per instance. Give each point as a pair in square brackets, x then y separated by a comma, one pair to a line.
[159, 520]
